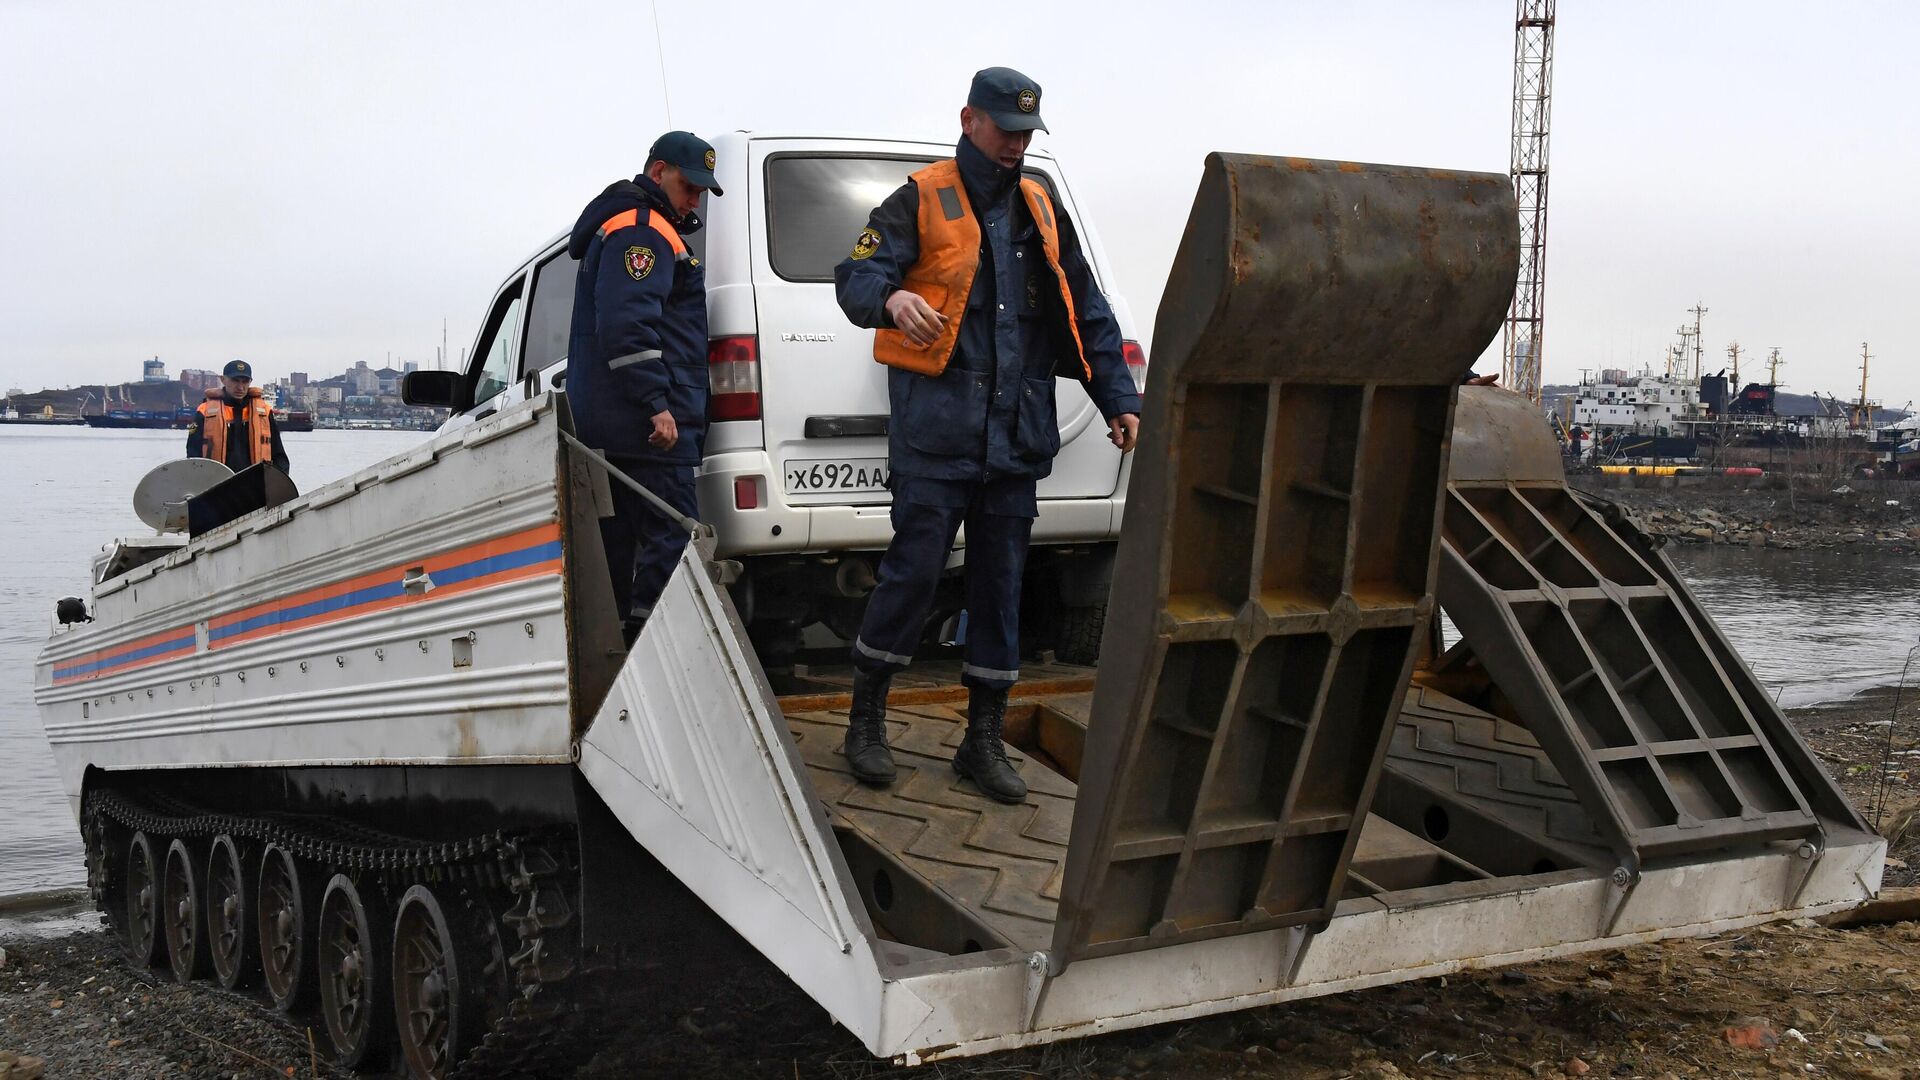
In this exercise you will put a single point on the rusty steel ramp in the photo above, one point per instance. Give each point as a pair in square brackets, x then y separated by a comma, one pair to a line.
[1277, 555]
[1636, 697]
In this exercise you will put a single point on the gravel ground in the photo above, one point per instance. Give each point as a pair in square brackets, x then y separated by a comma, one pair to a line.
[1776, 1001]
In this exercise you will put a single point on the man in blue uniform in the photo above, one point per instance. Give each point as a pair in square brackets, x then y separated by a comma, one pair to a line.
[979, 294]
[637, 358]
[234, 426]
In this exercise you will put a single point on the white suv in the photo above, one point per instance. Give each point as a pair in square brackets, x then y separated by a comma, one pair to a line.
[796, 454]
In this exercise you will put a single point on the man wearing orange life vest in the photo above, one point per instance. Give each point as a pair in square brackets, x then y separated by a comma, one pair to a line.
[234, 426]
[979, 295]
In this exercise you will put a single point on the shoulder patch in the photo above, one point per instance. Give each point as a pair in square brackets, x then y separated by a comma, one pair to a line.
[868, 243]
[639, 262]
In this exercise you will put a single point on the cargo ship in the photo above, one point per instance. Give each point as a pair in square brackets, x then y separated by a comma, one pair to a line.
[177, 419]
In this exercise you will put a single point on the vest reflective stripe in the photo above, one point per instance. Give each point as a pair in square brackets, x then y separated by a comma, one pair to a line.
[218, 417]
[950, 257]
[655, 220]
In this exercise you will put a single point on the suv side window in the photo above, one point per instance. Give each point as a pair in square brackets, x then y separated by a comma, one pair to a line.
[818, 203]
[499, 346]
[550, 319]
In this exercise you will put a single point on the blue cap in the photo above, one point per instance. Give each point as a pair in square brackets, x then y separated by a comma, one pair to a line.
[689, 153]
[1010, 98]
[237, 369]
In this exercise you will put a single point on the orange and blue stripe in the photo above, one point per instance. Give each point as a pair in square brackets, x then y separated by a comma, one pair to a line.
[531, 553]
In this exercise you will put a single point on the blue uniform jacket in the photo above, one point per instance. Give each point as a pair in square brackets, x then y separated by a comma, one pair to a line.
[639, 339]
[991, 413]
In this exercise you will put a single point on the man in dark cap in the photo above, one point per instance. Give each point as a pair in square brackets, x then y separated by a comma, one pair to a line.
[979, 294]
[637, 357]
[235, 425]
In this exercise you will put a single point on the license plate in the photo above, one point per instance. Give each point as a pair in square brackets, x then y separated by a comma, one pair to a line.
[830, 475]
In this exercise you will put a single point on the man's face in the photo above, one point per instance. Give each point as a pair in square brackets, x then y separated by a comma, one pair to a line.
[235, 388]
[1006, 148]
[681, 192]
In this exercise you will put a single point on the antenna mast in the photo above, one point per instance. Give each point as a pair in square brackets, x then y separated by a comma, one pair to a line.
[1532, 84]
[1697, 312]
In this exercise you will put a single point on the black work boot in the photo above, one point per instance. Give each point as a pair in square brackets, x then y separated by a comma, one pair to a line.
[983, 757]
[866, 745]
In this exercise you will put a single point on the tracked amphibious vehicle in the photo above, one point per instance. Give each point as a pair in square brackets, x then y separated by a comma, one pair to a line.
[381, 746]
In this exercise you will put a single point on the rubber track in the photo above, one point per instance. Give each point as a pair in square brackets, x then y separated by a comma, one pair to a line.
[532, 875]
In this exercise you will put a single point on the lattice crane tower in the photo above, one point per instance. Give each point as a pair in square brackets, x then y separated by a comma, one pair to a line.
[1532, 85]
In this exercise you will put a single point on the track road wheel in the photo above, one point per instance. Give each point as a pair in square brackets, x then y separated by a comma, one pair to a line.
[231, 934]
[106, 869]
[183, 907]
[439, 979]
[144, 940]
[288, 907]
[355, 991]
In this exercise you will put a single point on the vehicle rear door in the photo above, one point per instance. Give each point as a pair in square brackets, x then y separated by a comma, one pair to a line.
[824, 399]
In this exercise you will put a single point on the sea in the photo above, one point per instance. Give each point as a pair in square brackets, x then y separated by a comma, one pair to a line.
[1814, 625]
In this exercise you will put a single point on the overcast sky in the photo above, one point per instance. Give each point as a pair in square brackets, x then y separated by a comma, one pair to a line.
[307, 185]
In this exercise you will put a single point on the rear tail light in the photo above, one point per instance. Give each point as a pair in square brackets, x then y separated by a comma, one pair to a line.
[733, 378]
[1136, 359]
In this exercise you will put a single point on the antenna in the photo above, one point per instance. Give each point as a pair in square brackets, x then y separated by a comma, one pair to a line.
[659, 50]
[1697, 312]
[1773, 367]
[1733, 350]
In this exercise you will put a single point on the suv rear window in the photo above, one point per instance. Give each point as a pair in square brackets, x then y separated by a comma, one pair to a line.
[817, 205]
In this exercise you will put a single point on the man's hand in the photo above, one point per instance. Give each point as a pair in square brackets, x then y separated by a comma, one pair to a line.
[1483, 380]
[914, 317]
[1123, 431]
[665, 431]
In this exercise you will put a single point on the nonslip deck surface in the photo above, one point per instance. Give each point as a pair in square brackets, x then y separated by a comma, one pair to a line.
[1002, 862]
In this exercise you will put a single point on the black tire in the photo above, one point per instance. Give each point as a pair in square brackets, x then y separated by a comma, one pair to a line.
[288, 904]
[441, 957]
[1080, 632]
[232, 937]
[356, 990]
[143, 934]
[183, 906]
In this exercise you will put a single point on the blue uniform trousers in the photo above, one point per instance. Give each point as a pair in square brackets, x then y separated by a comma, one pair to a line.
[999, 516]
[643, 545]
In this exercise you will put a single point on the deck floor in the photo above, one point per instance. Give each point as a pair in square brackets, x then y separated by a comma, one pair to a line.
[1004, 863]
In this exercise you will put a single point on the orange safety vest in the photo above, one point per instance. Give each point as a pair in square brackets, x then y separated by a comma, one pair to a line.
[218, 415]
[949, 258]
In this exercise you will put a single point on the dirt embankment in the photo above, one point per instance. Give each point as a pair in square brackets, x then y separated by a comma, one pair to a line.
[1882, 515]
[1794, 1000]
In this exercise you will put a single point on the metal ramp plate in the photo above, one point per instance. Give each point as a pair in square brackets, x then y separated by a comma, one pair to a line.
[1276, 561]
[1614, 671]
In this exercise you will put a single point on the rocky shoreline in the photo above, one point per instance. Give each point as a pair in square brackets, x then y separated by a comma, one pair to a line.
[1773, 1000]
[1881, 516]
